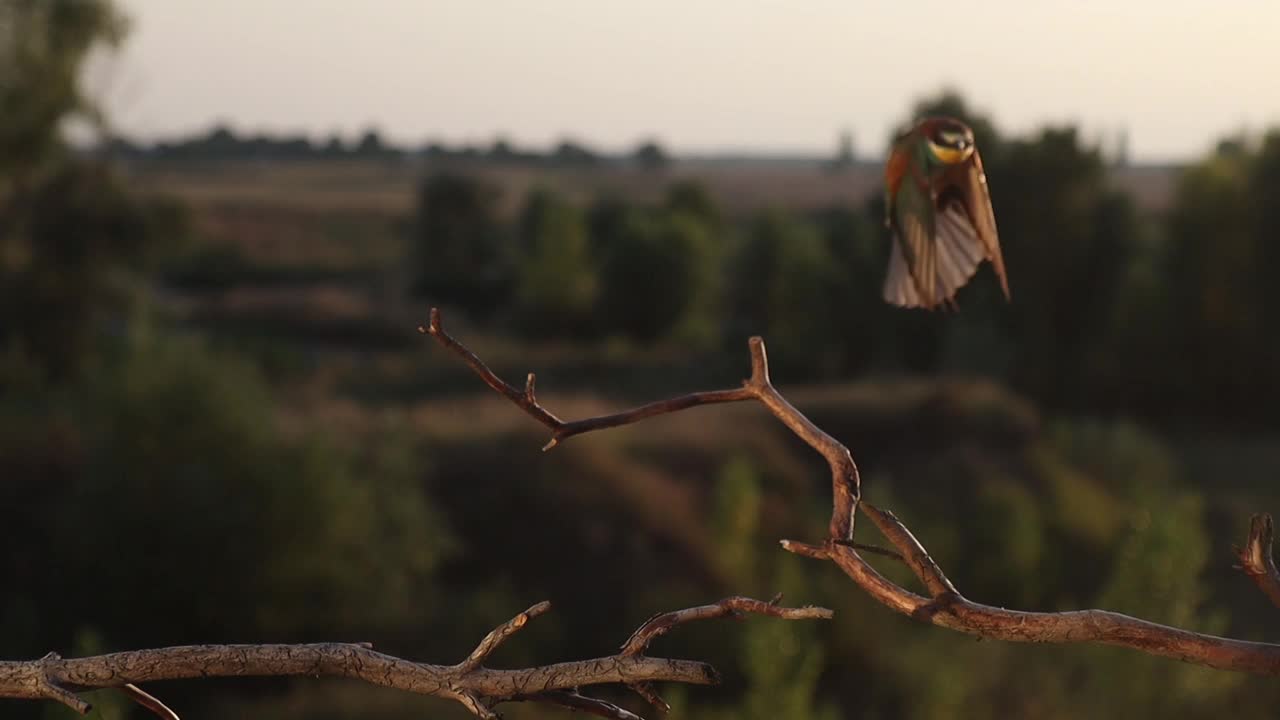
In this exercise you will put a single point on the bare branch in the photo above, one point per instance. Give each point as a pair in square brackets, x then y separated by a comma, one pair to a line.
[659, 625]
[845, 481]
[499, 635]
[524, 400]
[943, 605]
[476, 687]
[947, 608]
[913, 553]
[1255, 557]
[651, 696]
[561, 430]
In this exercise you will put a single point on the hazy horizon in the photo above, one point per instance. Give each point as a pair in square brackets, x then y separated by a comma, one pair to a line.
[704, 79]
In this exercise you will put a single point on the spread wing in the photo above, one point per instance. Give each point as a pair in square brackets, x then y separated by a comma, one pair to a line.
[911, 281]
[971, 183]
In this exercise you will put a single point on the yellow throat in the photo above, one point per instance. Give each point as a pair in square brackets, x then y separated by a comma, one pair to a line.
[949, 156]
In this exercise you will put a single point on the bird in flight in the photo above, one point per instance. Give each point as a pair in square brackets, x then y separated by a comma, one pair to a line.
[939, 210]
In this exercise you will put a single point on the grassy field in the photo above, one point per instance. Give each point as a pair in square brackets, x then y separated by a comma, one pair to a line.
[388, 186]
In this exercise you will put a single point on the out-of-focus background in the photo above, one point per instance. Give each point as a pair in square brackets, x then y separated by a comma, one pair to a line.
[220, 224]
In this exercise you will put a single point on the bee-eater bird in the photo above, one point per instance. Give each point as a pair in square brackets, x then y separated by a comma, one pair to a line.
[939, 210]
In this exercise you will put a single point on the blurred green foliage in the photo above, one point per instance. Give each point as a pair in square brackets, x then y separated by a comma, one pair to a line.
[163, 477]
[656, 273]
[71, 237]
[556, 288]
[461, 253]
[43, 47]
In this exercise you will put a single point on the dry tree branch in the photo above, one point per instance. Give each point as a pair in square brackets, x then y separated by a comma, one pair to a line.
[468, 682]
[943, 605]
[844, 472]
[946, 607]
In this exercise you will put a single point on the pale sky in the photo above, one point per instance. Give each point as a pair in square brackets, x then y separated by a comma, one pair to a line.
[701, 75]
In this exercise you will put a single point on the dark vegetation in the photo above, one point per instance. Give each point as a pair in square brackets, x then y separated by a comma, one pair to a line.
[222, 143]
[218, 424]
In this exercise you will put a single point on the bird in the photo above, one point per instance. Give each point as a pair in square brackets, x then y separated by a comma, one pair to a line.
[938, 208]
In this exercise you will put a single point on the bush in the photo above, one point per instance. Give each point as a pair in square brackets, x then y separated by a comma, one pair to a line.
[656, 272]
[179, 512]
[462, 255]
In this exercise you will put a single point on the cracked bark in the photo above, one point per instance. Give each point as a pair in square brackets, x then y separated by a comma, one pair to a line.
[468, 682]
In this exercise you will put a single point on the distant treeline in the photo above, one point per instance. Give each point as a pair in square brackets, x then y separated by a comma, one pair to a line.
[222, 142]
[1114, 309]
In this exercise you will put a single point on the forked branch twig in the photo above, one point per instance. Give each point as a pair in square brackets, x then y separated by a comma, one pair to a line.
[476, 687]
[845, 482]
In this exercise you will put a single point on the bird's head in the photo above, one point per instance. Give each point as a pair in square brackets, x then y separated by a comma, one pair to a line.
[950, 141]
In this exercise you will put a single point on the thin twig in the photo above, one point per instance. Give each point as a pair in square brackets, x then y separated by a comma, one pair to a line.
[525, 400]
[659, 625]
[499, 635]
[845, 481]
[913, 553]
[651, 696]
[560, 429]
[876, 549]
[588, 705]
[150, 702]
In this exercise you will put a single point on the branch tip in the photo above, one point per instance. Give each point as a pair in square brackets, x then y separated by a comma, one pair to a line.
[817, 552]
[759, 363]
[1256, 559]
[736, 606]
[150, 702]
[499, 635]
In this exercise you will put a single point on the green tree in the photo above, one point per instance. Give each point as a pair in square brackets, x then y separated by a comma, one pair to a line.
[784, 286]
[462, 254]
[1214, 286]
[1071, 238]
[657, 271]
[72, 241]
[607, 215]
[43, 48]
[866, 329]
[87, 242]
[781, 662]
[649, 155]
[1265, 188]
[557, 285]
[690, 197]
[163, 483]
